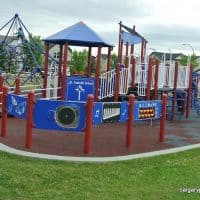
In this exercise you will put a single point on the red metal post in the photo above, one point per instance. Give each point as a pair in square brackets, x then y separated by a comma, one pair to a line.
[132, 49]
[96, 94]
[4, 113]
[89, 61]
[175, 75]
[189, 93]
[117, 82]
[126, 59]
[88, 128]
[109, 59]
[142, 51]
[163, 118]
[156, 80]
[174, 89]
[120, 43]
[129, 131]
[149, 79]
[46, 61]
[17, 86]
[29, 119]
[1, 88]
[64, 73]
[133, 61]
[60, 69]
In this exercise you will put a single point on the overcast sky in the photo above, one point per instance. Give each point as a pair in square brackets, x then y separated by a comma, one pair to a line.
[165, 24]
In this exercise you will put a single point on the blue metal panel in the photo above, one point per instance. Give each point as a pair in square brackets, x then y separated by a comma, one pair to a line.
[59, 115]
[97, 113]
[130, 38]
[124, 112]
[16, 106]
[156, 106]
[109, 112]
[78, 88]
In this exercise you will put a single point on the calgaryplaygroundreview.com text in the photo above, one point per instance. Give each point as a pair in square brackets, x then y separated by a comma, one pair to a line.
[190, 190]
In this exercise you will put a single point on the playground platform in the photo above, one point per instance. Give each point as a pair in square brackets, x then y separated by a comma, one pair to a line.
[107, 139]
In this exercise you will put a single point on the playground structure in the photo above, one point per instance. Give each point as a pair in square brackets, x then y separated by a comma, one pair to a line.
[195, 100]
[65, 110]
[18, 50]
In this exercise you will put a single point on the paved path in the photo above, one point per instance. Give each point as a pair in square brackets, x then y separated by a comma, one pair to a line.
[95, 159]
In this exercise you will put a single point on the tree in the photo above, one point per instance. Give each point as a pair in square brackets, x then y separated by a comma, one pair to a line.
[32, 53]
[193, 59]
[114, 60]
[3, 58]
[79, 60]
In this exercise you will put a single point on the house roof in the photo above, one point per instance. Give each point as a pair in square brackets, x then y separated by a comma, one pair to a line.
[9, 39]
[78, 34]
[160, 55]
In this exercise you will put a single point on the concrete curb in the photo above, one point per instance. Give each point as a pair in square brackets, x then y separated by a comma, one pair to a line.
[95, 159]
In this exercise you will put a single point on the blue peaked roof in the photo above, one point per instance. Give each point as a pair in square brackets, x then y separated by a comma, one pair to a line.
[78, 34]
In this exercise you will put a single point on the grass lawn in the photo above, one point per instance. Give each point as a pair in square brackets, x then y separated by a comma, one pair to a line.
[154, 178]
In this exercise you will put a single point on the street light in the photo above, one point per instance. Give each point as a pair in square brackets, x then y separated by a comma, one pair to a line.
[189, 45]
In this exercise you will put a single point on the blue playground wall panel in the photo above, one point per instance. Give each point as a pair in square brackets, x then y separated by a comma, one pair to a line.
[156, 105]
[59, 115]
[16, 106]
[78, 88]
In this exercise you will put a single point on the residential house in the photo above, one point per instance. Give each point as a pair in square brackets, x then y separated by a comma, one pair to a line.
[166, 57]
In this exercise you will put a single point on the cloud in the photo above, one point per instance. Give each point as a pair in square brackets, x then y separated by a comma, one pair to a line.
[161, 23]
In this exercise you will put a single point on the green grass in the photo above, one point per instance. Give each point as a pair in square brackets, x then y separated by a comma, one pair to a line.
[153, 178]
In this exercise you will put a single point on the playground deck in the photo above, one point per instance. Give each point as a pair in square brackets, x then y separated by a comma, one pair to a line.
[107, 139]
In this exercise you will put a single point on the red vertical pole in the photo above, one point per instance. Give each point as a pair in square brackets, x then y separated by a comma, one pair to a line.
[46, 61]
[142, 51]
[174, 89]
[29, 118]
[88, 128]
[4, 113]
[149, 79]
[97, 74]
[156, 80]
[163, 118]
[1, 88]
[129, 130]
[60, 69]
[132, 50]
[109, 59]
[120, 42]
[133, 72]
[117, 82]
[17, 86]
[89, 61]
[126, 60]
[64, 73]
[121, 51]
[189, 93]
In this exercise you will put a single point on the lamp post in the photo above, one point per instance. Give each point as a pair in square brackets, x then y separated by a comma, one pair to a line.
[190, 46]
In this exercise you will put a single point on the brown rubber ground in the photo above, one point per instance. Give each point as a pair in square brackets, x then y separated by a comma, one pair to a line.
[107, 139]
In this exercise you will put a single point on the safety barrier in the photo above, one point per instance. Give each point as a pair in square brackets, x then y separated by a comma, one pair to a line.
[79, 116]
[147, 76]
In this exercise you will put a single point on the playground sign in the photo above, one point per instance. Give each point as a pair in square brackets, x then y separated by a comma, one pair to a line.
[79, 88]
[147, 110]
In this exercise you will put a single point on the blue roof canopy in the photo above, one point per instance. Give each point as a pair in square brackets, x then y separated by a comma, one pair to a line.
[78, 34]
[130, 38]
